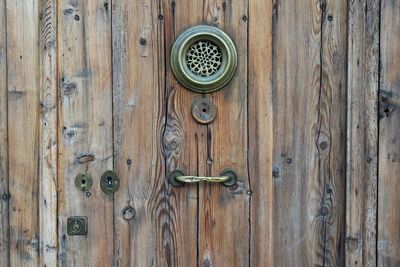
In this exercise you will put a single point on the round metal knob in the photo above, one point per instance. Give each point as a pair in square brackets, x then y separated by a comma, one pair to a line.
[203, 110]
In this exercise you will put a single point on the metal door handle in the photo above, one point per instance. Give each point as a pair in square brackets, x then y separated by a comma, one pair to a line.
[178, 178]
[196, 179]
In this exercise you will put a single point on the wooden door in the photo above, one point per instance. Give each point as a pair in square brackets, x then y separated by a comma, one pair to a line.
[310, 124]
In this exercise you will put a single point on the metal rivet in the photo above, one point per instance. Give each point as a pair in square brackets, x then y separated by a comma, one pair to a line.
[203, 110]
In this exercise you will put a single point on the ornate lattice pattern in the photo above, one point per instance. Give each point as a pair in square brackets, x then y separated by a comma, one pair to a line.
[204, 58]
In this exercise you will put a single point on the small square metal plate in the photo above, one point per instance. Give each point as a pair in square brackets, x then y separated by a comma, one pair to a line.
[77, 225]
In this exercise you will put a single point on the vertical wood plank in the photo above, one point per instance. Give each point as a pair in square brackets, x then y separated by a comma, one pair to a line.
[389, 139]
[141, 204]
[184, 141]
[23, 130]
[260, 123]
[223, 212]
[85, 128]
[298, 223]
[4, 193]
[48, 134]
[332, 128]
[362, 133]
[309, 106]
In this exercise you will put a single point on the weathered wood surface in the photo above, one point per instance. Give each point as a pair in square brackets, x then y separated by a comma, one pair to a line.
[48, 134]
[260, 128]
[389, 136]
[4, 193]
[141, 224]
[225, 210]
[85, 129]
[23, 130]
[308, 78]
[362, 133]
[184, 143]
[87, 86]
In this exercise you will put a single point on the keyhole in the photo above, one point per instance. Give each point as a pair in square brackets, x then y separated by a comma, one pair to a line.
[109, 181]
[83, 181]
[76, 226]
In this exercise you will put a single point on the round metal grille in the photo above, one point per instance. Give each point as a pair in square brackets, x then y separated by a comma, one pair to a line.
[204, 58]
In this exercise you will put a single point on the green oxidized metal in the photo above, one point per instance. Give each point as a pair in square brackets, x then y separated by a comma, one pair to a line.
[109, 182]
[203, 59]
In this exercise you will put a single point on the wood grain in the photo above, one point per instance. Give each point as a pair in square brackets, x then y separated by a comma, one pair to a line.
[309, 149]
[362, 133]
[332, 128]
[139, 118]
[298, 221]
[48, 134]
[4, 193]
[389, 139]
[86, 86]
[260, 128]
[85, 129]
[224, 212]
[23, 130]
[184, 142]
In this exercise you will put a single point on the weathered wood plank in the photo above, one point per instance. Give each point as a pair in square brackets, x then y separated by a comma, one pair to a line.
[184, 142]
[139, 117]
[260, 123]
[85, 128]
[389, 138]
[309, 105]
[4, 193]
[362, 132]
[332, 128]
[23, 130]
[298, 225]
[48, 134]
[223, 212]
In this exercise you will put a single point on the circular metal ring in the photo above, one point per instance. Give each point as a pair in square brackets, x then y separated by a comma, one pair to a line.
[83, 181]
[211, 50]
[231, 173]
[172, 178]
